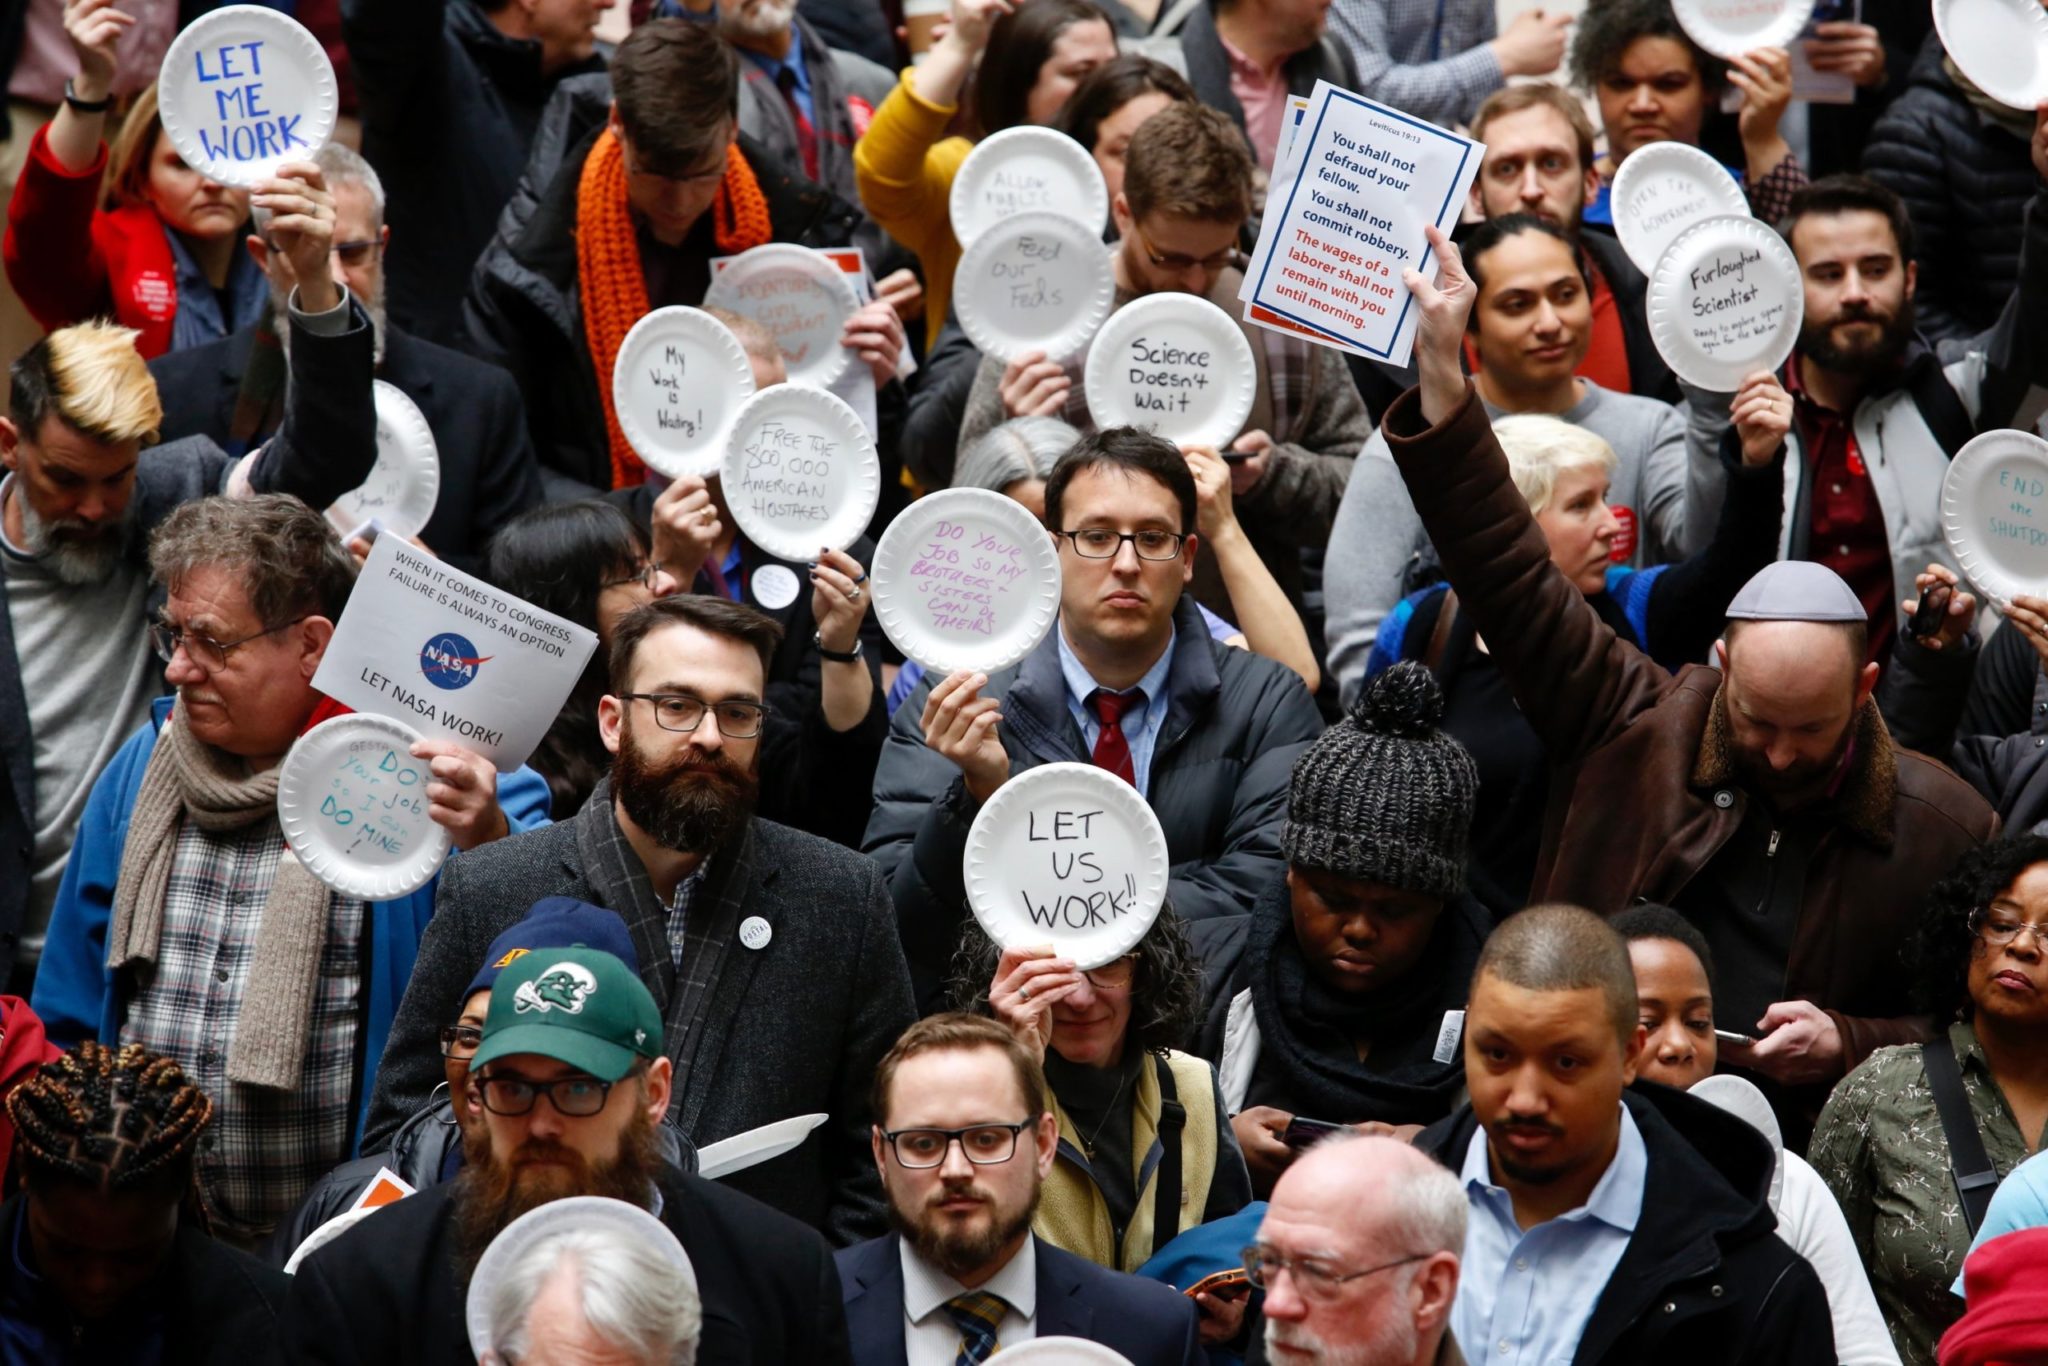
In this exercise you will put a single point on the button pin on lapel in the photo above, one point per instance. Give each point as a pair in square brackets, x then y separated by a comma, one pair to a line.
[755, 932]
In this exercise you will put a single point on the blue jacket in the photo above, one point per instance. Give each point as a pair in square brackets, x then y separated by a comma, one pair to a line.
[1627, 590]
[79, 998]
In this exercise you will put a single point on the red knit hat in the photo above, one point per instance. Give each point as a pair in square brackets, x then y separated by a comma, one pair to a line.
[2006, 1284]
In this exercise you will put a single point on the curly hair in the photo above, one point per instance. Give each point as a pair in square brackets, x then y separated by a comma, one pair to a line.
[1938, 953]
[1166, 989]
[111, 1121]
[1607, 28]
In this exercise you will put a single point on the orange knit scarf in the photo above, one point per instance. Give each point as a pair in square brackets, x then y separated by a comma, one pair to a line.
[613, 291]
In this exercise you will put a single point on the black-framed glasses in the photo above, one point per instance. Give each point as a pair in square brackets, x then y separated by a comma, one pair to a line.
[682, 713]
[1998, 930]
[985, 1145]
[202, 649]
[1312, 1278]
[358, 252]
[1179, 263]
[578, 1097]
[1114, 974]
[461, 1041]
[644, 576]
[1100, 543]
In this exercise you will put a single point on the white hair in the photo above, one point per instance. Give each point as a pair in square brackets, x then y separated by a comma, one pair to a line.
[341, 165]
[631, 1296]
[1423, 1211]
[1540, 448]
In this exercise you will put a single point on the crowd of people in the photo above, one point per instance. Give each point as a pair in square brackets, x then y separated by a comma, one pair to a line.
[1605, 917]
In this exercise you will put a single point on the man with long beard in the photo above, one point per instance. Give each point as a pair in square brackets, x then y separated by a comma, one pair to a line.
[963, 1140]
[771, 954]
[1876, 416]
[570, 1082]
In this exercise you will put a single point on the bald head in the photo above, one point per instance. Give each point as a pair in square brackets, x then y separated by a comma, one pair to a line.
[1790, 694]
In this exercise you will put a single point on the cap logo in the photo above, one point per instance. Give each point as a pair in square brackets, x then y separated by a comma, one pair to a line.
[564, 987]
[509, 958]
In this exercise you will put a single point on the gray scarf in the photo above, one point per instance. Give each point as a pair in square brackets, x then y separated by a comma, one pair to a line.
[187, 779]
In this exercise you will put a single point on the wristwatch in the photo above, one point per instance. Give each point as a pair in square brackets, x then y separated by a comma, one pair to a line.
[98, 106]
[837, 656]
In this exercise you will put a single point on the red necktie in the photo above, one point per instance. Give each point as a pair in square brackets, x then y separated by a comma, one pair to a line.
[806, 135]
[1112, 750]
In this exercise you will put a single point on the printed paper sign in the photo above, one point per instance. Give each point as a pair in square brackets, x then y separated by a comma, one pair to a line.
[451, 656]
[385, 1187]
[1349, 219]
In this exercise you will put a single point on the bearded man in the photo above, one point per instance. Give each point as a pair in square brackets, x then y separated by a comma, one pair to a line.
[963, 1142]
[1877, 417]
[570, 1082]
[772, 955]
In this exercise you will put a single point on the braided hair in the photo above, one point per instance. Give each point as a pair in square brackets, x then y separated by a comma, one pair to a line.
[123, 1120]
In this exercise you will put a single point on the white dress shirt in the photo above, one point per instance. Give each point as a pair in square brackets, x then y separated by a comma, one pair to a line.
[931, 1338]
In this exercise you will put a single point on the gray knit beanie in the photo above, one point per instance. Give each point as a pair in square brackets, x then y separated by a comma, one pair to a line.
[1383, 795]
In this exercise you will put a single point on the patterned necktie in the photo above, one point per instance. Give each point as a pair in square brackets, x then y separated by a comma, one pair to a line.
[1112, 750]
[976, 1313]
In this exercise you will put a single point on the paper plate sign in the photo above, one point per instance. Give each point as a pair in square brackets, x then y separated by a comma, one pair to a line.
[1175, 365]
[755, 1146]
[801, 296]
[1734, 28]
[1027, 170]
[449, 654]
[1726, 299]
[680, 378]
[2001, 45]
[1663, 189]
[353, 804]
[800, 472]
[1994, 514]
[405, 483]
[966, 579]
[1067, 855]
[1037, 282]
[243, 90]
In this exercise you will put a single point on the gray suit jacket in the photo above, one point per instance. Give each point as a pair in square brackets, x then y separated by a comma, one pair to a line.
[795, 1027]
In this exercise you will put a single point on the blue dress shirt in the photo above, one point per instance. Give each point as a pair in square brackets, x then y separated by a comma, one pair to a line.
[1524, 1298]
[1140, 725]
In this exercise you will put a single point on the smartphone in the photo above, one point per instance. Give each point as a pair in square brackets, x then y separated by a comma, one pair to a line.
[1730, 1036]
[1933, 608]
[1306, 1133]
[1227, 1284]
[1237, 457]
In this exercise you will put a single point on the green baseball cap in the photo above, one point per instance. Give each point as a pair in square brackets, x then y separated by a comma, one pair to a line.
[579, 1006]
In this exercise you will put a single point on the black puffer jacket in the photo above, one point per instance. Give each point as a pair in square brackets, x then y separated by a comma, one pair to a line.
[1966, 181]
[522, 310]
[1705, 1280]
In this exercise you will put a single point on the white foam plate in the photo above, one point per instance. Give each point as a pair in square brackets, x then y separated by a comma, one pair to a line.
[680, 377]
[1994, 514]
[1037, 282]
[2001, 45]
[1064, 1351]
[800, 472]
[1735, 28]
[327, 1233]
[1067, 855]
[1027, 170]
[965, 579]
[405, 483]
[562, 1216]
[243, 90]
[755, 1146]
[353, 804]
[801, 296]
[1173, 364]
[1725, 299]
[1663, 189]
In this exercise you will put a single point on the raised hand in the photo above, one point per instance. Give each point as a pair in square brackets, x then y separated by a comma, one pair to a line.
[960, 724]
[1440, 335]
[1763, 415]
[302, 230]
[94, 28]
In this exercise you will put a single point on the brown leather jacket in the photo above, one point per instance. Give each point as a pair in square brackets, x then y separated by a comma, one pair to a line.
[1643, 790]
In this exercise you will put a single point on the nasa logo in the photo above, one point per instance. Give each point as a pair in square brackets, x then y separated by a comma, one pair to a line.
[450, 662]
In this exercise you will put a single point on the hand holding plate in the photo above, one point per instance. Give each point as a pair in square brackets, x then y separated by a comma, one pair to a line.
[960, 724]
[463, 794]
[686, 526]
[1027, 985]
[1762, 411]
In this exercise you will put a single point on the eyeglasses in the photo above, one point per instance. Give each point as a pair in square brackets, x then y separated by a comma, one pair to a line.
[1178, 263]
[460, 1041]
[203, 650]
[1312, 1279]
[1100, 543]
[577, 1097]
[353, 254]
[985, 1145]
[644, 576]
[2001, 932]
[1113, 975]
[683, 713]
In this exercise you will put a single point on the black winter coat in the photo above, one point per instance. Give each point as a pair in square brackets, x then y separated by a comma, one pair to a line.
[1966, 182]
[1705, 1280]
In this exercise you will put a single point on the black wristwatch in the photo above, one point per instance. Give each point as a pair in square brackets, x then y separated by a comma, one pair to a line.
[98, 106]
[836, 656]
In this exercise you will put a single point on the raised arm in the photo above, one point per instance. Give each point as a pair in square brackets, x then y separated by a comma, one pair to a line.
[1270, 624]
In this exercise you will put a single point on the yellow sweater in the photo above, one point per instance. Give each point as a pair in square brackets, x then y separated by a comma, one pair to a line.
[904, 166]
